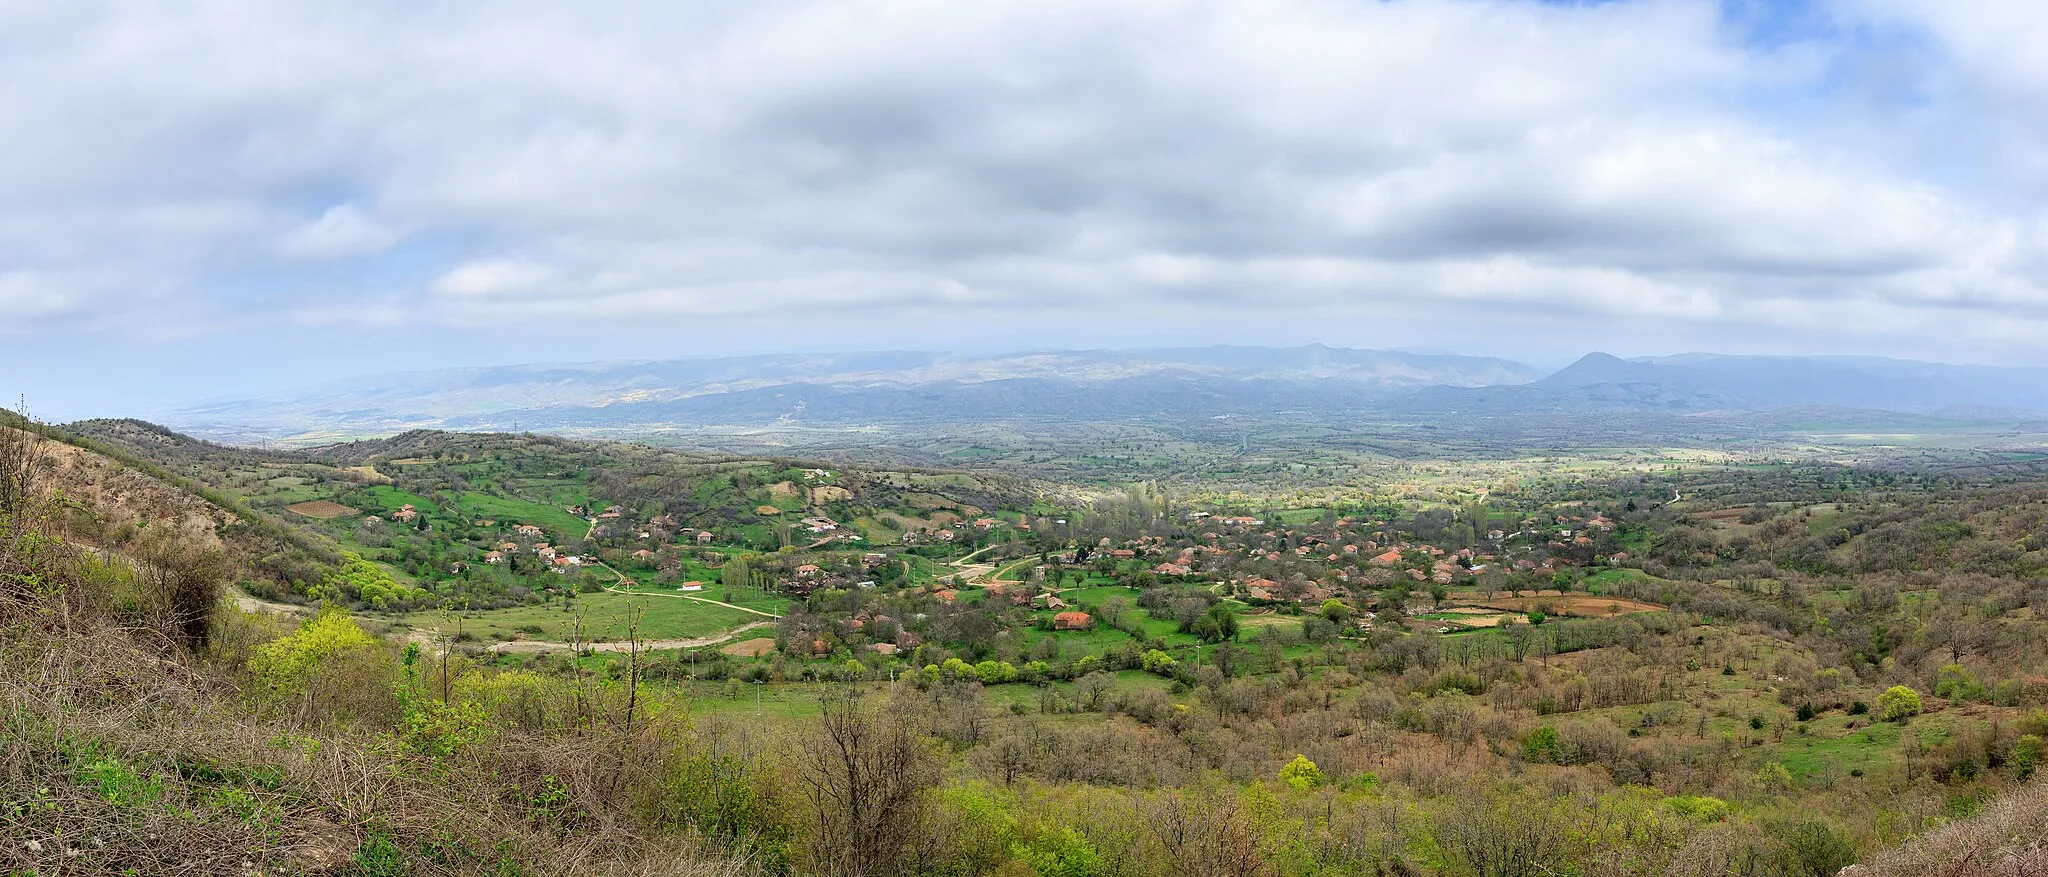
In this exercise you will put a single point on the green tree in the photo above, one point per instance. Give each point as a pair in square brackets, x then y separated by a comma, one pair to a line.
[1897, 703]
[1156, 661]
[1335, 610]
[2027, 754]
[1301, 773]
[284, 665]
[1541, 745]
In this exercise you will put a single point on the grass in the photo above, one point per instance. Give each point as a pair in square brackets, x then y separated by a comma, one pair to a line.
[1864, 748]
[389, 499]
[1610, 578]
[606, 615]
[752, 598]
[1099, 595]
[1015, 571]
[508, 511]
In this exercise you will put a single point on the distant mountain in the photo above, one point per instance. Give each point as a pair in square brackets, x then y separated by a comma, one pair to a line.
[1700, 382]
[853, 388]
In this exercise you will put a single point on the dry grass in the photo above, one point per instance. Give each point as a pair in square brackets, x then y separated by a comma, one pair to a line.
[752, 648]
[117, 759]
[2008, 839]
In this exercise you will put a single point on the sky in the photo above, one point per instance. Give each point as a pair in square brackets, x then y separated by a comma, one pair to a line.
[204, 199]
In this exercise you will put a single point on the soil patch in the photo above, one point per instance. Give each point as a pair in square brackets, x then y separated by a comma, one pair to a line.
[752, 648]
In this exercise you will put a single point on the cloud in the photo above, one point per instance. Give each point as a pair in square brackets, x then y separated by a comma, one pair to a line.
[343, 230]
[497, 278]
[934, 163]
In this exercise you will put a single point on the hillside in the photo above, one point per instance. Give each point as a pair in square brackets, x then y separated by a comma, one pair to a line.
[1759, 669]
[427, 519]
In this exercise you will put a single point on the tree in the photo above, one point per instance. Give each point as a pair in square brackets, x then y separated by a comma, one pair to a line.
[1156, 661]
[1301, 773]
[1335, 610]
[1897, 703]
[185, 572]
[866, 775]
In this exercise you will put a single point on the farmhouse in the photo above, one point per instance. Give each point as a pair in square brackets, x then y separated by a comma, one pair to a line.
[1071, 621]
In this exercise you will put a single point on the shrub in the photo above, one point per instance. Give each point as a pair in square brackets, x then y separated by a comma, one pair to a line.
[285, 664]
[1156, 661]
[1698, 808]
[1301, 773]
[1898, 703]
[2027, 754]
[1956, 683]
[1541, 745]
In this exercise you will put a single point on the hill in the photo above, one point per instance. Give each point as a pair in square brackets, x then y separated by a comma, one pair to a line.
[847, 388]
[1694, 383]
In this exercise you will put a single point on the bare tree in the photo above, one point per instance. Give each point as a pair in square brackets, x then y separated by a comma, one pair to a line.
[23, 456]
[1207, 834]
[184, 571]
[31, 572]
[867, 776]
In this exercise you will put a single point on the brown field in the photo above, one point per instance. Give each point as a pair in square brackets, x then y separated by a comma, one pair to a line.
[1582, 605]
[751, 648]
[322, 509]
[1489, 620]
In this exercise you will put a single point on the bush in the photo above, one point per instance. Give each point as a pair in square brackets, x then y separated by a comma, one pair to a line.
[1301, 773]
[1541, 745]
[1897, 703]
[1156, 661]
[1698, 808]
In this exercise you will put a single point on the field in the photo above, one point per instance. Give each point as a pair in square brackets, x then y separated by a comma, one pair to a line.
[606, 615]
[750, 648]
[321, 510]
[1473, 617]
[505, 510]
[1581, 605]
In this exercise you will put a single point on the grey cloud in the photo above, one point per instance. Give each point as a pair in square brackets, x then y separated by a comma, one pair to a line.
[698, 162]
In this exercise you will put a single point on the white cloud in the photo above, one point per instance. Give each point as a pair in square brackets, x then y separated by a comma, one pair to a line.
[497, 278]
[940, 161]
[343, 230]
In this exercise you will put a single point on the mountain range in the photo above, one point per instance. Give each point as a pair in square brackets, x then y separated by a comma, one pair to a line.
[893, 387]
